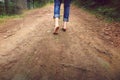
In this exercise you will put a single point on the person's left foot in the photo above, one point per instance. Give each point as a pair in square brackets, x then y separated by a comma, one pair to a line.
[64, 29]
[56, 30]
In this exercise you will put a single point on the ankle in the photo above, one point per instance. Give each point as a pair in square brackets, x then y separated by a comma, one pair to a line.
[56, 22]
[65, 25]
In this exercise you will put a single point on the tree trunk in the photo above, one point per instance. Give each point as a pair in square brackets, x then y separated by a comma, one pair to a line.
[20, 5]
[6, 6]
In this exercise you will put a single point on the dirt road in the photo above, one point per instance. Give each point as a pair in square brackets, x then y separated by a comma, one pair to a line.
[29, 50]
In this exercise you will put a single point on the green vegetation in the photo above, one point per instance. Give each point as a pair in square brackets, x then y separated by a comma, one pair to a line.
[40, 3]
[107, 8]
[10, 16]
[13, 8]
[9, 7]
[4, 17]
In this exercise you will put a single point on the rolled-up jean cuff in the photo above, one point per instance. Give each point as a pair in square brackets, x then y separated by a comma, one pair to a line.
[56, 16]
[66, 20]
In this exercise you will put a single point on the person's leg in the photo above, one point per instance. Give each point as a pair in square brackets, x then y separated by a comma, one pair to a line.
[57, 4]
[66, 13]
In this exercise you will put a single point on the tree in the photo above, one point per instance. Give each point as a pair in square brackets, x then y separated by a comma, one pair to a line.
[6, 6]
[20, 5]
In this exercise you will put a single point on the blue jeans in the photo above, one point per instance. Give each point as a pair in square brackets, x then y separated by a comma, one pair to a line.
[57, 4]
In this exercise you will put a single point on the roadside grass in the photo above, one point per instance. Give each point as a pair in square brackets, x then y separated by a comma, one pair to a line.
[37, 5]
[106, 13]
[5, 17]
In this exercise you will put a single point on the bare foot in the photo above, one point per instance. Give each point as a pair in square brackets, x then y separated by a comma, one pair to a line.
[56, 30]
[64, 29]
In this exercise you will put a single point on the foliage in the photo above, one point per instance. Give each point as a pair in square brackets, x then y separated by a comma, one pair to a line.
[1, 7]
[107, 8]
[40, 3]
[16, 6]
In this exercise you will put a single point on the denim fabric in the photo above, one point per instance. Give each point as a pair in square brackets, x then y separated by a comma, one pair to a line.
[57, 4]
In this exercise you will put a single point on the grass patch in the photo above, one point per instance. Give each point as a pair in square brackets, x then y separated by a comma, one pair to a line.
[106, 12]
[10, 16]
[4, 18]
[38, 4]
